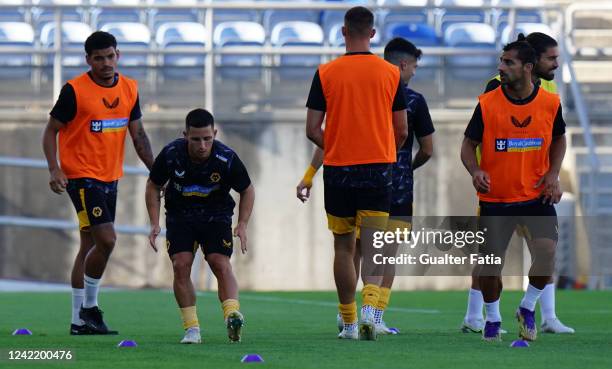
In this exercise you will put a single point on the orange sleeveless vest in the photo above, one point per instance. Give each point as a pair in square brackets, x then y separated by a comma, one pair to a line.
[515, 144]
[359, 91]
[92, 144]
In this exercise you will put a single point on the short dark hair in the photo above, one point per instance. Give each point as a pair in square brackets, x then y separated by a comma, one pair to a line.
[525, 53]
[199, 118]
[99, 40]
[359, 21]
[540, 42]
[399, 48]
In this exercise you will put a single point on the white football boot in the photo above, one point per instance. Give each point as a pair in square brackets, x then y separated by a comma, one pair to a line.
[192, 335]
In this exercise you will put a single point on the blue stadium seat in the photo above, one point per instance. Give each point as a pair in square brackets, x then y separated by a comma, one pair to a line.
[330, 18]
[101, 16]
[42, 15]
[297, 33]
[16, 66]
[450, 16]
[159, 16]
[420, 35]
[134, 36]
[182, 35]
[525, 28]
[74, 35]
[500, 18]
[15, 13]
[273, 17]
[472, 35]
[234, 15]
[409, 15]
[232, 34]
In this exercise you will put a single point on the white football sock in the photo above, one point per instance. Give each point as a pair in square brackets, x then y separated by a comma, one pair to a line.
[492, 311]
[92, 286]
[475, 304]
[547, 302]
[78, 295]
[531, 298]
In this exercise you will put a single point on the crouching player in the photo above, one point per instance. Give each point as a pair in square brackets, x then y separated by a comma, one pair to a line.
[199, 172]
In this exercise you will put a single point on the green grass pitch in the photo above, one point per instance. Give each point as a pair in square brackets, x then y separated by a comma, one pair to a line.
[298, 330]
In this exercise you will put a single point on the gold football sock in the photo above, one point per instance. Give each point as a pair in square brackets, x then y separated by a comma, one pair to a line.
[370, 294]
[190, 317]
[348, 312]
[383, 299]
[229, 306]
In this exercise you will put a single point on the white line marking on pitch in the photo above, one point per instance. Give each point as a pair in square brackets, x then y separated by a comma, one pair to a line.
[320, 303]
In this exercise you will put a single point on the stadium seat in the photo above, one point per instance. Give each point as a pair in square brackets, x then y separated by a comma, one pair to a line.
[16, 65]
[134, 36]
[159, 16]
[409, 15]
[420, 35]
[234, 15]
[74, 35]
[297, 33]
[450, 16]
[42, 15]
[15, 13]
[500, 18]
[182, 35]
[101, 16]
[525, 28]
[472, 35]
[232, 34]
[273, 17]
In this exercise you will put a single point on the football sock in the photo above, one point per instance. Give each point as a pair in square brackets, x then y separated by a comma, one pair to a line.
[229, 306]
[475, 304]
[547, 302]
[78, 295]
[370, 295]
[492, 311]
[92, 286]
[189, 317]
[381, 305]
[348, 312]
[531, 298]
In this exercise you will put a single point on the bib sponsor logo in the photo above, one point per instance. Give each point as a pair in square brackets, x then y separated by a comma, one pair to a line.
[199, 191]
[518, 144]
[108, 125]
[96, 126]
[227, 244]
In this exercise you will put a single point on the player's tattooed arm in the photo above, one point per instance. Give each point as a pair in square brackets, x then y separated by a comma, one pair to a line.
[142, 145]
